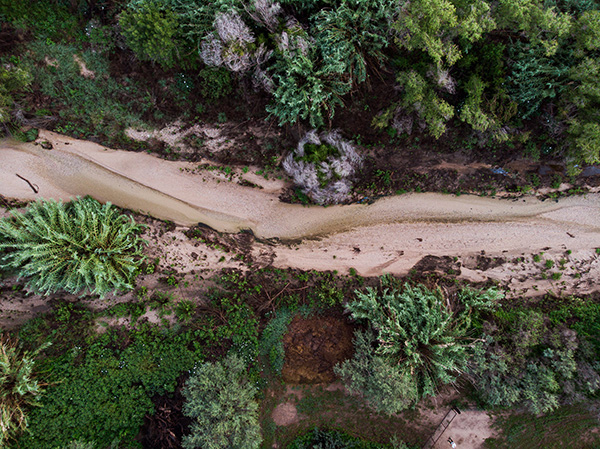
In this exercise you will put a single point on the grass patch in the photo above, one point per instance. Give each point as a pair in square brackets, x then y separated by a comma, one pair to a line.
[87, 106]
[337, 410]
[570, 426]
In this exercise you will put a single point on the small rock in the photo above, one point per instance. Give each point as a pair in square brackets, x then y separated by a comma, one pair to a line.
[46, 145]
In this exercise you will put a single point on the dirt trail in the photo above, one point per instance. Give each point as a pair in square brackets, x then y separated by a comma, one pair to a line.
[390, 235]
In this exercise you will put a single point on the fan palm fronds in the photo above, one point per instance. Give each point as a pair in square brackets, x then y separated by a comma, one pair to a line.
[18, 388]
[77, 246]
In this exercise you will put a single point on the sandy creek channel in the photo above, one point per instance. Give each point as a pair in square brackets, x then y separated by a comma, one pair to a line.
[389, 235]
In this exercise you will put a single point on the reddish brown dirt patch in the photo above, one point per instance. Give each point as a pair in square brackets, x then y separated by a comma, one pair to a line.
[314, 346]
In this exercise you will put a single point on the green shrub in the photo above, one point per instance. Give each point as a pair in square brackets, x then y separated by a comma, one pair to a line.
[220, 400]
[523, 360]
[332, 439]
[77, 246]
[46, 19]
[103, 392]
[420, 342]
[12, 80]
[421, 99]
[306, 89]
[536, 77]
[18, 387]
[184, 310]
[216, 82]
[583, 127]
[270, 345]
[149, 28]
[350, 33]
[79, 444]
[386, 385]
[235, 329]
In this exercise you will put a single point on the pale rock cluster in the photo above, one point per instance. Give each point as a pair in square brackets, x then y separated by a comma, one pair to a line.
[336, 171]
[231, 44]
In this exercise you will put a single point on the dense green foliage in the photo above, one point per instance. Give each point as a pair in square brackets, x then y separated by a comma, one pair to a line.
[502, 69]
[220, 400]
[387, 386]
[91, 105]
[417, 342]
[271, 340]
[12, 80]
[332, 439]
[149, 28]
[529, 361]
[77, 246]
[232, 325]
[101, 393]
[18, 387]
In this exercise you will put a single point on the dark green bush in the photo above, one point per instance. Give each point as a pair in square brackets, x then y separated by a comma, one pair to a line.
[77, 246]
[102, 393]
[536, 77]
[271, 340]
[524, 361]
[306, 89]
[220, 400]
[236, 327]
[418, 342]
[216, 83]
[333, 439]
[150, 28]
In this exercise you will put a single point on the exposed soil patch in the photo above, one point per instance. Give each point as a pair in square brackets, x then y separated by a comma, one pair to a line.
[313, 346]
[438, 265]
[285, 414]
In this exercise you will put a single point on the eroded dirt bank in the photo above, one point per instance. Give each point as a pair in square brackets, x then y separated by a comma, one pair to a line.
[389, 236]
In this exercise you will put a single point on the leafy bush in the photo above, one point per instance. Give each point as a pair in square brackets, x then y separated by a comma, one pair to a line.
[524, 361]
[77, 246]
[47, 19]
[386, 385]
[536, 77]
[540, 23]
[102, 393]
[421, 101]
[583, 126]
[306, 89]
[421, 342]
[232, 325]
[79, 444]
[332, 439]
[220, 400]
[433, 26]
[149, 28]
[271, 340]
[18, 387]
[216, 83]
[351, 32]
[12, 80]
